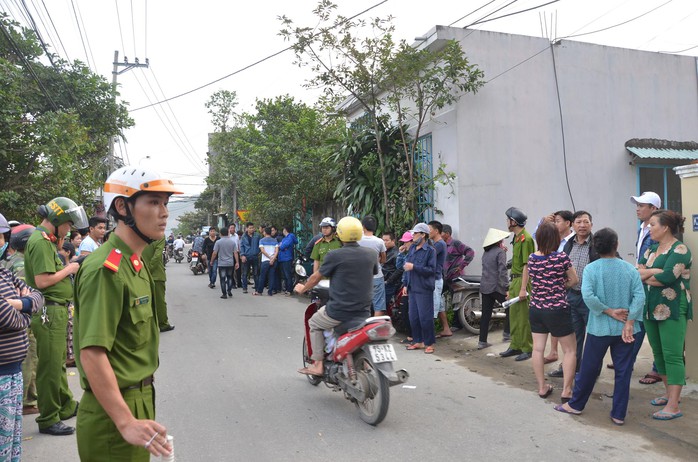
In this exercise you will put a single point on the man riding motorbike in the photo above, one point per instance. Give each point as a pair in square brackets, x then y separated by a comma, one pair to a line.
[351, 269]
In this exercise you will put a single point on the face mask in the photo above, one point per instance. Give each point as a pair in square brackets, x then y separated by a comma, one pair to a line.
[418, 240]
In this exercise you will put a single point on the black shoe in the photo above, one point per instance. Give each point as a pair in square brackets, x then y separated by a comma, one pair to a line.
[510, 352]
[210, 286]
[224, 296]
[167, 328]
[556, 373]
[58, 429]
[523, 357]
[230, 294]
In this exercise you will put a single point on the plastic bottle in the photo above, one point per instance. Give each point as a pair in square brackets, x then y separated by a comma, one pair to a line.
[171, 457]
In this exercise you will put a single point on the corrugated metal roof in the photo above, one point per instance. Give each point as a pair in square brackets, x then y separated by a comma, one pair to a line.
[664, 153]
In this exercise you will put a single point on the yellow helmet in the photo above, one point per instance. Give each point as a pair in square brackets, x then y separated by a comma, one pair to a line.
[349, 229]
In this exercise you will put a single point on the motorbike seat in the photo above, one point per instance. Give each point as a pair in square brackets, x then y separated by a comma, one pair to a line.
[472, 279]
[350, 325]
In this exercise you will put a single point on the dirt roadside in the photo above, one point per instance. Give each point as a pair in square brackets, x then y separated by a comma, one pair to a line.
[673, 438]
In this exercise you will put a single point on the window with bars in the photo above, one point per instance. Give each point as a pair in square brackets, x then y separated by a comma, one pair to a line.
[662, 180]
[424, 175]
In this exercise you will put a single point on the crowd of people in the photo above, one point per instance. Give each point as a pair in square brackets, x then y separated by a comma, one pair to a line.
[566, 283]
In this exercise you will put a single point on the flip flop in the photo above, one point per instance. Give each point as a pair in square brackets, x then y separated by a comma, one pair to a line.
[560, 408]
[306, 371]
[415, 346]
[444, 336]
[406, 341]
[547, 393]
[661, 401]
[650, 379]
[663, 415]
[429, 350]
[617, 421]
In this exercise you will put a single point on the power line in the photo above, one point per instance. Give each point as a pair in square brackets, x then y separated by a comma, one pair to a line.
[145, 28]
[65, 52]
[516, 12]
[491, 13]
[617, 25]
[273, 55]
[670, 27]
[680, 51]
[84, 47]
[474, 11]
[133, 31]
[118, 20]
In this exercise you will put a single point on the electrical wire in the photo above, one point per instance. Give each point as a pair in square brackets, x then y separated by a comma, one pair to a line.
[669, 28]
[118, 20]
[65, 52]
[84, 47]
[268, 57]
[516, 12]
[133, 30]
[145, 28]
[45, 28]
[474, 11]
[680, 51]
[562, 127]
[87, 39]
[617, 25]
[491, 13]
[517, 65]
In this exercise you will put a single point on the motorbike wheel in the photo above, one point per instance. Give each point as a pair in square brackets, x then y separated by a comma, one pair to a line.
[313, 379]
[465, 313]
[374, 409]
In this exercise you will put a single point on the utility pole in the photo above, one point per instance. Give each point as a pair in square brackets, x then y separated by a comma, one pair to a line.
[126, 66]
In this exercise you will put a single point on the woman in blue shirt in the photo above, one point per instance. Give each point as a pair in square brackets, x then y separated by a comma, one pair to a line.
[613, 291]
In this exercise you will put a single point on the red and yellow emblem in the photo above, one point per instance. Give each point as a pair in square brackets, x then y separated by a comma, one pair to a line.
[136, 262]
[113, 260]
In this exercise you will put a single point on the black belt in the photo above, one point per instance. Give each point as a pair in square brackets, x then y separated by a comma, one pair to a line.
[52, 303]
[514, 276]
[142, 384]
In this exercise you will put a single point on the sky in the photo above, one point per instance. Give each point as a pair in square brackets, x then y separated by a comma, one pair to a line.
[190, 44]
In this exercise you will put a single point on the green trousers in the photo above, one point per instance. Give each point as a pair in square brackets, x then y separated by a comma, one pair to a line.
[667, 341]
[98, 438]
[55, 398]
[29, 372]
[519, 325]
[161, 304]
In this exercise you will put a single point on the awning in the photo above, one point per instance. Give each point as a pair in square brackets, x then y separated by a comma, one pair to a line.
[649, 149]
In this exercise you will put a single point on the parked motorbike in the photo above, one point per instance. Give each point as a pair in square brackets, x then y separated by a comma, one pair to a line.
[303, 262]
[198, 263]
[358, 358]
[165, 257]
[179, 255]
[395, 308]
[463, 297]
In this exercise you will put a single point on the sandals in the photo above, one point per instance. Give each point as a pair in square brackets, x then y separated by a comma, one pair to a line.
[429, 350]
[415, 346]
[547, 393]
[650, 379]
[661, 401]
[561, 408]
[663, 415]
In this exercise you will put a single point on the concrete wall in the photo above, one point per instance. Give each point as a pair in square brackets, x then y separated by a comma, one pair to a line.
[505, 142]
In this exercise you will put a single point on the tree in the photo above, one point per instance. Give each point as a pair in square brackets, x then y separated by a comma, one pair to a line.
[55, 126]
[190, 222]
[379, 75]
[277, 157]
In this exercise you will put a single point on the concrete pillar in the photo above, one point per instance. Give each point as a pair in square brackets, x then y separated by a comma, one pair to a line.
[689, 201]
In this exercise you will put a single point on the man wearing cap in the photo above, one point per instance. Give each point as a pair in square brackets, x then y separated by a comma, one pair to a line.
[645, 205]
[420, 270]
[521, 344]
[45, 272]
[116, 325]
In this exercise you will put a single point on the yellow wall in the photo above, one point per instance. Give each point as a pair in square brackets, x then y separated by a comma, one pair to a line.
[689, 200]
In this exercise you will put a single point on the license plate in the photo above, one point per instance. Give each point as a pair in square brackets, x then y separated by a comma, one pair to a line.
[382, 353]
[194, 260]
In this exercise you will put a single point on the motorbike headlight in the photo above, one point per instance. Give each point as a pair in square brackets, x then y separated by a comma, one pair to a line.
[300, 270]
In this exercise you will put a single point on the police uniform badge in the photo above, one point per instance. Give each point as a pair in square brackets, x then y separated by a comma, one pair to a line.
[113, 260]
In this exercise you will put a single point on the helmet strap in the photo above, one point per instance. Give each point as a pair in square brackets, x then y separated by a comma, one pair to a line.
[131, 222]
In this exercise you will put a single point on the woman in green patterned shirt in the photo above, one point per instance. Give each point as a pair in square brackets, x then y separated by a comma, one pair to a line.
[665, 270]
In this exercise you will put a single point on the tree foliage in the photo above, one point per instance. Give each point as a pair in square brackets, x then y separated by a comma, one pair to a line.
[55, 125]
[190, 222]
[359, 60]
[277, 159]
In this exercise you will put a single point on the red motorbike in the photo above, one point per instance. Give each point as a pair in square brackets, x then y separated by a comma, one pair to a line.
[358, 359]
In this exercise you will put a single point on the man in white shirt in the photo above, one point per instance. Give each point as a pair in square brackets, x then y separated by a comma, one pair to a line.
[370, 241]
[97, 230]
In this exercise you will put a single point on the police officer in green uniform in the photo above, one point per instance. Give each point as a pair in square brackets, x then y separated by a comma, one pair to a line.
[152, 257]
[45, 272]
[116, 325]
[329, 241]
[521, 344]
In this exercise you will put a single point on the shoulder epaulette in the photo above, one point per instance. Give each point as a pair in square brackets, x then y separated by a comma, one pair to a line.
[113, 260]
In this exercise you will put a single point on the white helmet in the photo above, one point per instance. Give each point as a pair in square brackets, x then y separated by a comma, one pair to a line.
[328, 221]
[130, 180]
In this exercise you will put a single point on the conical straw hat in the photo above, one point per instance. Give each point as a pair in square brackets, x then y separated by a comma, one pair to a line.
[493, 236]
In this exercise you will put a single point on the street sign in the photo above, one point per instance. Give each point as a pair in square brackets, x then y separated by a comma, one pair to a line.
[695, 222]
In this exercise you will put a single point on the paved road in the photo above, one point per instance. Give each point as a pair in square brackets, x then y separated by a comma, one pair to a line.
[227, 389]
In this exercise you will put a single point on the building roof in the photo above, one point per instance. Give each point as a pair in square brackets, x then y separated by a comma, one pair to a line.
[651, 148]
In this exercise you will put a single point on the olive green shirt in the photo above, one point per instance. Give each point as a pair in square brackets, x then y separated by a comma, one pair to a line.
[523, 248]
[152, 257]
[41, 256]
[115, 310]
[322, 247]
[664, 302]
